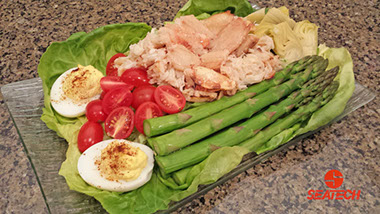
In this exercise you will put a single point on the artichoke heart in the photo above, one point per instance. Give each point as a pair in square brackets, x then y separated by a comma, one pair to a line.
[292, 40]
[276, 16]
[307, 34]
[257, 16]
[287, 45]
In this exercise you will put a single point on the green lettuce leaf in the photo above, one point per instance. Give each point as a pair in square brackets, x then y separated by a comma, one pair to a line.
[203, 9]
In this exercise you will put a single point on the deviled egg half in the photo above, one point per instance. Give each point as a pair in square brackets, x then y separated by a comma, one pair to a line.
[116, 165]
[74, 89]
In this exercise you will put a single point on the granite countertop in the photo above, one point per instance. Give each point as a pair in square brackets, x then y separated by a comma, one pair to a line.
[280, 184]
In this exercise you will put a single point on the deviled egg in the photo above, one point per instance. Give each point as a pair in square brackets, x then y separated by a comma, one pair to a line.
[116, 165]
[74, 89]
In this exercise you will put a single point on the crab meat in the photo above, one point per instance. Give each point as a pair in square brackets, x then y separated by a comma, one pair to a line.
[199, 96]
[212, 80]
[248, 43]
[205, 59]
[187, 31]
[231, 36]
[214, 60]
[181, 58]
[218, 22]
[193, 25]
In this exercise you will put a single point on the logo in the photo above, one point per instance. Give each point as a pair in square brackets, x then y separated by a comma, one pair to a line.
[333, 179]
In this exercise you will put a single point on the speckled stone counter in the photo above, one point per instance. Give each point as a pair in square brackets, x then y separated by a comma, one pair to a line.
[280, 184]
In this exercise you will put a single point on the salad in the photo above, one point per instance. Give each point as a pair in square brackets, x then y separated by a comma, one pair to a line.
[292, 86]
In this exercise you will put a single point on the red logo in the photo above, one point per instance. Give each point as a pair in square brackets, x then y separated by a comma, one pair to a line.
[333, 179]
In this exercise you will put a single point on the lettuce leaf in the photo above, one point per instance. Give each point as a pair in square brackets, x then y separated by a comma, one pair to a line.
[203, 9]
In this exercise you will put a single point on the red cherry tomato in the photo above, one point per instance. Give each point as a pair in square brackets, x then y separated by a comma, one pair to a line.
[89, 134]
[111, 70]
[116, 98]
[169, 99]
[119, 123]
[94, 111]
[110, 82]
[135, 76]
[142, 94]
[145, 111]
[102, 95]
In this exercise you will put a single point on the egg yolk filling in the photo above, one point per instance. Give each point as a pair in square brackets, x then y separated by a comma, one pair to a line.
[82, 83]
[121, 161]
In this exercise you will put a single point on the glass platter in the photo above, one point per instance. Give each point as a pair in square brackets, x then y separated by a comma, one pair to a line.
[46, 151]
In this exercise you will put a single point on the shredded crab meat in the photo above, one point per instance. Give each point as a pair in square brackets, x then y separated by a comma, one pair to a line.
[205, 59]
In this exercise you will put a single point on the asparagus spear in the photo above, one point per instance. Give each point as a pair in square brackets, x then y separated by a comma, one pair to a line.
[234, 135]
[168, 143]
[300, 115]
[160, 125]
[272, 130]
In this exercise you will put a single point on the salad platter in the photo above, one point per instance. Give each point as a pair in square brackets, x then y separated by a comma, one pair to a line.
[248, 116]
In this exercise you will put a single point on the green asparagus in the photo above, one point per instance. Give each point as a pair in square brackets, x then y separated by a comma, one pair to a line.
[301, 114]
[165, 144]
[165, 124]
[234, 135]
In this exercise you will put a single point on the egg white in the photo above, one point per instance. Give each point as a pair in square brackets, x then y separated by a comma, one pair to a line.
[64, 105]
[89, 172]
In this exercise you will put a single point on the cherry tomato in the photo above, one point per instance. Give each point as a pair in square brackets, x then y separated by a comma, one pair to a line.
[145, 111]
[94, 111]
[102, 95]
[89, 134]
[111, 70]
[135, 76]
[120, 122]
[116, 98]
[110, 82]
[169, 99]
[142, 94]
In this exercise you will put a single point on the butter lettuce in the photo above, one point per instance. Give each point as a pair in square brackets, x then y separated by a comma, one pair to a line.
[95, 48]
[203, 9]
